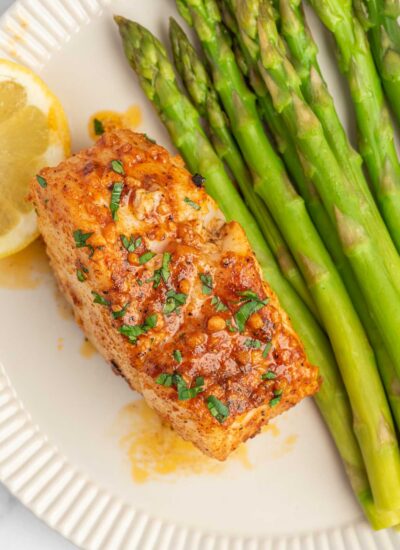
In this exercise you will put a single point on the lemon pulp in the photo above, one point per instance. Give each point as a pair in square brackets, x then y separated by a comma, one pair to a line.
[24, 138]
[33, 133]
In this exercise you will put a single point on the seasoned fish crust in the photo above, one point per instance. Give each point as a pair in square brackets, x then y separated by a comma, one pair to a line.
[168, 292]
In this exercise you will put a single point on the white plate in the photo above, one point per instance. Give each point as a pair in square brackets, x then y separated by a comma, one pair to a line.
[60, 413]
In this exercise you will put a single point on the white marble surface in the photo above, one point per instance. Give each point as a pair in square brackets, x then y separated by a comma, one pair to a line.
[19, 528]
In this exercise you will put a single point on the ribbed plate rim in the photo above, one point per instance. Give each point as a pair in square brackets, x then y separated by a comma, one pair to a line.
[33, 468]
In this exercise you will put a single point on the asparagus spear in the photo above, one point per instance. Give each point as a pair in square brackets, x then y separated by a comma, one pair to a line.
[246, 57]
[148, 58]
[205, 99]
[199, 85]
[336, 136]
[385, 45]
[380, 21]
[376, 138]
[283, 140]
[340, 320]
[298, 167]
[353, 217]
[304, 51]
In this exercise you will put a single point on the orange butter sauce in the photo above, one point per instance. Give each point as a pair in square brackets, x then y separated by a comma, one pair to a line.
[87, 349]
[60, 343]
[112, 120]
[155, 451]
[272, 429]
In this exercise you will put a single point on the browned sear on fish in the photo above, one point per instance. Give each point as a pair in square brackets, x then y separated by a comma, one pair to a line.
[169, 292]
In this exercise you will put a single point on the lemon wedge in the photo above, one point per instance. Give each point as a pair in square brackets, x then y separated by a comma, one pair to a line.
[33, 133]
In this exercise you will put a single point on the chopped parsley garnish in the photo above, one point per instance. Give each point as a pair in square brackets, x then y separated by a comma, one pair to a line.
[198, 180]
[207, 283]
[184, 393]
[98, 127]
[163, 272]
[132, 332]
[251, 305]
[174, 301]
[250, 294]
[276, 399]
[218, 304]
[165, 379]
[146, 257]
[177, 355]
[269, 375]
[41, 181]
[230, 326]
[99, 299]
[117, 167]
[252, 343]
[80, 239]
[131, 244]
[121, 312]
[267, 349]
[217, 409]
[115, 199]
[81, 274]
[191, 203]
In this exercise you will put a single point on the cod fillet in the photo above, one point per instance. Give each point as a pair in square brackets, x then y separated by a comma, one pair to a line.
[169, 292]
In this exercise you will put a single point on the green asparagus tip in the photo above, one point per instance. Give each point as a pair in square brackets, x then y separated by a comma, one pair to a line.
[184, 11]
[174, 27]
[121, 21]
[130, 29]
[130, 33]
[179, 40]
[176, 36]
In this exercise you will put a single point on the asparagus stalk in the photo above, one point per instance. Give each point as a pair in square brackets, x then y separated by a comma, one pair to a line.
[248, 57]
[353, 217]
[380, 21]
[340, 320]
[283, 140]
[376, 139]
[148, 58]
[298, 167]
[323, 103]
[199, 83]
[304, 51]
[248, 63]
[205, 99]
[385, 45]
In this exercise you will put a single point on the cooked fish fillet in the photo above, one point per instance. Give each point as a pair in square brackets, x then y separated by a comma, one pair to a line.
[169, 293]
